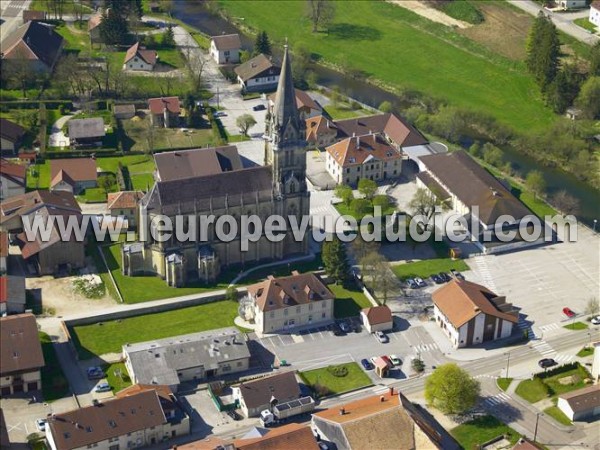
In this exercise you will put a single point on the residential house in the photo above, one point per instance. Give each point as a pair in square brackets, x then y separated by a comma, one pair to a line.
[572, 4]
[582, 404]
[81, 173]
[189, 357]
[470, 314]
[164, 111]
[595, 13]
[138, 418]
[37, 16]
[377, 318]
[94, 28]
[369, 156]
[11, 135]
[12, 294]
[197, 162]
[279, 304]
[124, 204]
[86, 132]
[383, 421]
[3, 252]
[46, 256]
[34, 42]
[139, 58]
[21, 351]
[259, 394]
[124, 111]
[470, 190]
[258, 74]
[225, 49]
[293, 436]
[13, 179]
[307, 106]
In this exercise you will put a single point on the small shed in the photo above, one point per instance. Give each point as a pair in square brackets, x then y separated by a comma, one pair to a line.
[382, 367]
[377, 318]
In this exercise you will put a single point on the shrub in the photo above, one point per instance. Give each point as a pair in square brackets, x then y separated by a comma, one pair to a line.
[338, 371]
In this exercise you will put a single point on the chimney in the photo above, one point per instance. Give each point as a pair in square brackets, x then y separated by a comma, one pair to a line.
[295, 272]
[382, 399]
[391, 391]
[354, 134]
[342, 411]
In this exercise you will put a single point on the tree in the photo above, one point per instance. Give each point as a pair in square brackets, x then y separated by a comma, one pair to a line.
[475, 149]
[451, 389]
[245, 122]
[565, 203]
[360, 206]
[383, 281]
[595, 60]
[195, 64]
[588, 99]
[367, 188]
[345, 193]
[385, 107]
[492, 154]
[423, 203]
[18, 71]
[543, 50]
[383, 201]
[593, 306]
[418, 365]
[168, 38]
[231, 294]
[334, 260]
[114, 29]
[361, 248]
[106, 182]
[536, 183]
[262, 44]
[320, 13]
[564, 89]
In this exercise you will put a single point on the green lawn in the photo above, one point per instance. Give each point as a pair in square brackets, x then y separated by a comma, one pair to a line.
[75, 40]
[343, 111]
[54, 383]
[504, 383]
[428, 267]
[145, 288]
[117, 382]
[355, 378]
[348, 301]
[585, 351]
[477, 431]
[584, 22]
[462, 10]
[576, 326]
[92, 250]
[349, 211]
[495, 85]
[94, 339]
[558, 415]
[137, 130]
[532, 390]
[93, 195]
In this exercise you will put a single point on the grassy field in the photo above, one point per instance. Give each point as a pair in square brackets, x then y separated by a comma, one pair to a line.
[477, 431]
[464, 10]
[344, 111]
[576, 326]
[348, 301]
[496, 85]
[586, 24]
[585, 351]
[349, 211]
[504, 383]
[532, 390]
[537, 389]
[92, 250]
[54, 383]
[558, 415]
[428, 267]
[117, 382]
[355, 378]
[91, 340]
[137, 130]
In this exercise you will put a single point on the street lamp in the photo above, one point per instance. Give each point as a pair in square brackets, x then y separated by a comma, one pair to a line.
[507, 362]
[595, 222]
[537, 419]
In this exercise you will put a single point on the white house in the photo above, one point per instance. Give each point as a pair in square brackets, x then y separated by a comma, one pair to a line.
[138, 58]
[595, 13]
[572, 4]
[287, 302]
[225, 49]
[377, 318]
[258, 74]
[582, 404]
[470, 314]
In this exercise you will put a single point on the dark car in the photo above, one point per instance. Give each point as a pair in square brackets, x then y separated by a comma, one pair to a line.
[344, 327]
[444, 276]
[546, 362]
[366, 364]
[568, 312]
[357, 328]
[234, 415]
[436, 279]
[337, 331]
[259, 108]
[456, 274]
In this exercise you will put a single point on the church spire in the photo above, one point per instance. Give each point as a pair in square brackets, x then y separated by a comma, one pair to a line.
[285, 110]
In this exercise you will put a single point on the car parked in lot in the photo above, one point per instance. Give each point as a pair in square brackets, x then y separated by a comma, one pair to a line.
[568, 312]
[95, 373]
[445, 277]
[412, 283]
[40, 424]
[546, 362]
[420, 282]
[596, 320]
[220, 114]
[367, 365]
[234, 415]
[381, 337]
[102, 387]
[436, 279]
[260, 107]
[345, 327]
[337, 331]
[456, 274]
[395, 360]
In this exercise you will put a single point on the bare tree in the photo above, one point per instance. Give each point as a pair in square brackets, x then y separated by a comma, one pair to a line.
[565, 202]
[592, 306]
[320, 13]
[382, 279]
[150, 136]
[195, 67]
[18, 71]
[423, 203]
[361, 248]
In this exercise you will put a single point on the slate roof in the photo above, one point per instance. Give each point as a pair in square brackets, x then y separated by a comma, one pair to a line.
[377, 315]
[157, 362]
[158, 105]
[78, 169]
[227, 42]
[197, 162]
[113, 418]
[21, 350]
[283, 386]
[256, 66]
[284, 109]
[33, 40]
[10, 130]
[292, 436]
[12, 289]
[123, 199]
[473, 185]
[149, 56]
[86, 128]
[585, 399]
[283, 292]
[362, 149]
[461, 300]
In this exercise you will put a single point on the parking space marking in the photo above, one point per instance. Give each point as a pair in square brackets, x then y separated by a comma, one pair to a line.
[298, 339]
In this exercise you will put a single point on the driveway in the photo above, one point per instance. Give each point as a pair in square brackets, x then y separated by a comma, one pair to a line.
[57, 137]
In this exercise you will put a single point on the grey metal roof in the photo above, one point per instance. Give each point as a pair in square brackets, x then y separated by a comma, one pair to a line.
[284, 109]
[157, 362]
[85, 128]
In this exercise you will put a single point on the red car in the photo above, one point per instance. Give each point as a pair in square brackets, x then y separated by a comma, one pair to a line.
[568, 312]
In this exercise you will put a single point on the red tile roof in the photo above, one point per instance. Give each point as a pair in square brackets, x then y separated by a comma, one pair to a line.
[123, 199]
[288, 437]
[158, 105]
[3, 289]
[378, 314]
[13, 170]
[62, 176]
[361, 149]
[21, 349]
[227, 42]
[11, 131]
[78, 169]
[149, 56]
[3, 244]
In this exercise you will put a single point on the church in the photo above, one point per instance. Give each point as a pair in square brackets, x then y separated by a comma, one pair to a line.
[204, 182]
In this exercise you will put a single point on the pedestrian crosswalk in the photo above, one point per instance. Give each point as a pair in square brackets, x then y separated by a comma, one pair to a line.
[544, 348]
[563, 358]
[496, 399]
[484, 271]
[493, 377]
[426, 347]
[550, 327]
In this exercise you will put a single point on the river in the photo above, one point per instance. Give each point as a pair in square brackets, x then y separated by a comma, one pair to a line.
[194, 14]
